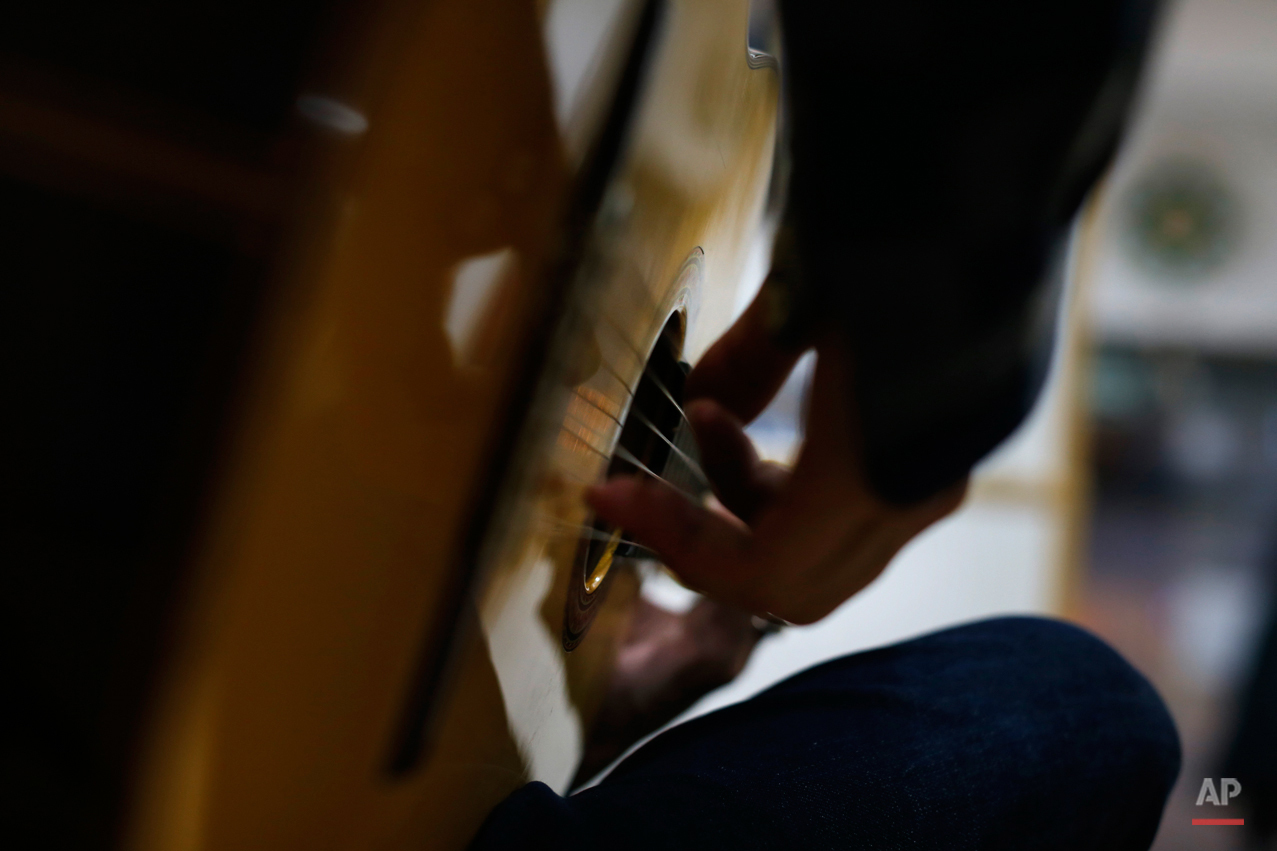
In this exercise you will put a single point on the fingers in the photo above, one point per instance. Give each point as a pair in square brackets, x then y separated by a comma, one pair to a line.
[742, 482]
[798, 545]
[745, 368]
[664, 665]
[794, 526]
[863, 555]
[708, 550]
[809, 538]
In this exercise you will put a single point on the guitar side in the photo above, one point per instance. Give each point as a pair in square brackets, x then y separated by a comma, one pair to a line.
[381, 391]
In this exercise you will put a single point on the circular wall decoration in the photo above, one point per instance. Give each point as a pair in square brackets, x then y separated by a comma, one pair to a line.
[1181, 220]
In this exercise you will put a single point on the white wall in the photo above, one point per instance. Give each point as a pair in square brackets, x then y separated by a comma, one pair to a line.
[1210, 97]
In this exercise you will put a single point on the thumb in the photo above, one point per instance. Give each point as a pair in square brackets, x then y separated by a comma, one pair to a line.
[745, 368]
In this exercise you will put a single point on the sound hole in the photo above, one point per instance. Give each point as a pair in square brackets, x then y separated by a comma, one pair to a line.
[655, 440]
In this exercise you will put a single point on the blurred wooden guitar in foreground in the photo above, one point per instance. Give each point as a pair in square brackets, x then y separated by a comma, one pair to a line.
[389, 607]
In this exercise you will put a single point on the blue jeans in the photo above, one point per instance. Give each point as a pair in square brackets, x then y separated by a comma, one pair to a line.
[1013, 733]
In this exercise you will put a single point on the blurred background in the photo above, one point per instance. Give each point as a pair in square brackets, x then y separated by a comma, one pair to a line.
[1182, 393]
[1140, 499]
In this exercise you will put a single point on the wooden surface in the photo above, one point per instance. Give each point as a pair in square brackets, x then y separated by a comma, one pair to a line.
[368, 430]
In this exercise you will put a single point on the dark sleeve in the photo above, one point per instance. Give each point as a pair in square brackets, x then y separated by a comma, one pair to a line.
[940, 151]
[533, 818]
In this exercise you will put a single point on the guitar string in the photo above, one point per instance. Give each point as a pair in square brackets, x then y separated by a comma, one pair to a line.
[697, 470]
[619, 380]
[625, 455]
[604, 411]
[595, 534]
[647, 370]
[585, 442]
[692, 464]
[620, 332]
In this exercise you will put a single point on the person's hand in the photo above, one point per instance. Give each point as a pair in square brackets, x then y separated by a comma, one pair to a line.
[665, 663]
[796, 543]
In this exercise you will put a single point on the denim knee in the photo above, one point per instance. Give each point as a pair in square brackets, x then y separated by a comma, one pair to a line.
[1093, 723]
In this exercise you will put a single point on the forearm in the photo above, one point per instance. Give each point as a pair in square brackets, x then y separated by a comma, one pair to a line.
[940, 153]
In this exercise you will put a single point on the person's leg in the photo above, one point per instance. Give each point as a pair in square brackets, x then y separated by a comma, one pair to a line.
[1252, 755]
[1012, 733]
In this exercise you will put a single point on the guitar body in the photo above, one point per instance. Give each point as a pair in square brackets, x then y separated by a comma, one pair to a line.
[389, 617]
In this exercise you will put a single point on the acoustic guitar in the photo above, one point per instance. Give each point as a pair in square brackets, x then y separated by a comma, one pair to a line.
[372, 602]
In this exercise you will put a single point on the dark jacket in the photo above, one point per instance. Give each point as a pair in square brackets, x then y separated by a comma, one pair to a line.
[940, 153]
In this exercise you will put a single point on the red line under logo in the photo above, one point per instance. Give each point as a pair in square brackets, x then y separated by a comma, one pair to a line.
[1219, 821]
